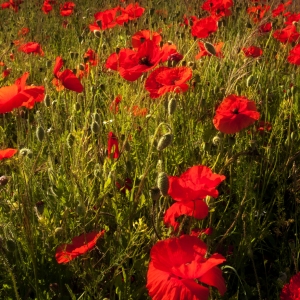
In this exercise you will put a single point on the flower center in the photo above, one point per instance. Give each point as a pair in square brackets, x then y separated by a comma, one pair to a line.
[145, 61]
[235, 111]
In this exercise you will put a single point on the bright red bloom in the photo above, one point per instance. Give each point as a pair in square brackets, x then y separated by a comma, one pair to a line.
[294, 55]
[18, 94]
[258, 12]
[189, 190]
[113, 146]
[292, 18]
[234, 114]
[218, 8]
[105, 19]
[177, 264]
[164, 80]
[91, 57]
[198, 232]
[13, 4]
[288, 34]
[112, 62]
[204, 52]
[23, 31]
[133, 64]
[144, 35]
[66, 78]
[280, 8]
[67, 9]
[114, 106]
[7, 153]
[47, 7]
[32, 47]
[169, 53]
[291, 290]
[263, 127]
[267, 27]
[130, 12]
[80, 245]
[252, 51]
[202, 28]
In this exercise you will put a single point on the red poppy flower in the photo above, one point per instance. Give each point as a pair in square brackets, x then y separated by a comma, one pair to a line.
[252, 51]
[281, 8]
[169, 53]
[127, 186]
[113, 146]
[112, 62]
[32, 47]
[263, 127]
[291, 290]
[114, 106]
[178, 265]
[6, 72]
[130, 12]
[204, 27]
[144, 35]
[67, 9]
[292, 18]
[288, 34]
[258, 12]
[66, 78]
[91, 57]
[198, 232]
[234, 114]
[47, 7]
[133, 64]
[188, 190]
[13, 4]
[204, 52]
[164, 80]
[218, 8]
[267, 27]
[294, 55]
[80, 245]
[105, 19]
[19, 94]
[7, 153]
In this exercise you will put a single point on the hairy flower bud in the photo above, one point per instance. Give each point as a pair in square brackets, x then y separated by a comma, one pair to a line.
[163, 183]
[40, 133]
[164, 141]
[171, 106]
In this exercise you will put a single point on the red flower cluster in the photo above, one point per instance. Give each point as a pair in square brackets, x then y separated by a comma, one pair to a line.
[294, 55]
[189, 190]
[7, 153]
[112, 146]
[288, 34]
[281, 8]
[80, 245]
[258, 12]
[291, 291]
[234, 114]
[178, 265]
[19, 94]
[6, 71]
[202, 28]
[109, 18]
[164, 80]
[144, 35]
[13, 4]
[114, 106]
[47, 6]
[65, 79]
[219, 8]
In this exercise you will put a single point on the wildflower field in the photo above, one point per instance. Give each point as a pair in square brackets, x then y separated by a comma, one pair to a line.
[150, 149]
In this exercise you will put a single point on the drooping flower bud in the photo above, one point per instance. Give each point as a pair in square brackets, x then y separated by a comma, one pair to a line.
[163, 183]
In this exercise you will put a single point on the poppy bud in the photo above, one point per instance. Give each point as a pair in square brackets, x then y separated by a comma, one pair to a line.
[155, 193]
[47, 100]
[26, 152]
[81, 67]
[40, 133]
[3, 180]
[96, 117]
[210, 48]
[171, 106]
[159, 166]
[70, 140]
[97, 33]
[164, 141]
[163, 183]
[95, 127]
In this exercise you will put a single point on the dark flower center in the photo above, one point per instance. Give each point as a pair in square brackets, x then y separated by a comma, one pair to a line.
[235, 111]
[145, 61]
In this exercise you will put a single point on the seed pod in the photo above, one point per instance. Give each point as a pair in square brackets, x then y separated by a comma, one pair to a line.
[155, 193]
[164, 141]
[40, 133]
[210, 48]
[171, 106]
[70, 140]
[95, 127]
[3, 180]
[250, 81]
[47, 100]
[163, 183]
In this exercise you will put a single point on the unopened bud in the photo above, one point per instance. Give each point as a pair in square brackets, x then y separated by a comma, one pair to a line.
[210, 48]
[47, 100]
[3, 180]
[95, 127]
[171, 106]
[70, 140]
[164, 141]
[97, 33]
[163, 183]
[40, 133]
